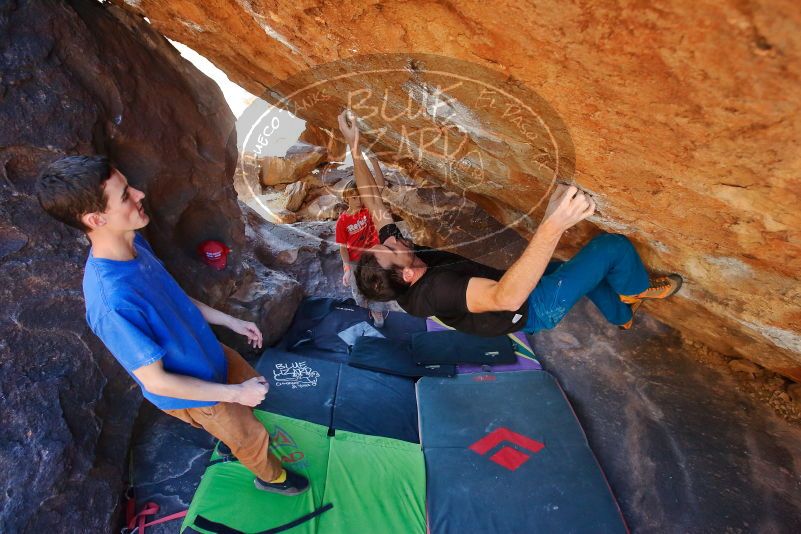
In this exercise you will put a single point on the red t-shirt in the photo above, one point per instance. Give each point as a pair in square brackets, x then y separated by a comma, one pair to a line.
[356, 232]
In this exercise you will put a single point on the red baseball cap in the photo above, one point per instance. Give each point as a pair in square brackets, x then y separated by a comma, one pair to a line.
[214, 253]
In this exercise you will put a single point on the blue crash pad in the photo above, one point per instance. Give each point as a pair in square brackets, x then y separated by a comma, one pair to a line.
[314, 387]
[376, 404]
[301, 386]
[320, 325]
[317, 324]
[505, 453]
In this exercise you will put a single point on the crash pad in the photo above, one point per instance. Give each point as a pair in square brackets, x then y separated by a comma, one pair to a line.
[525, 355]
[358, 483]
[505, 453]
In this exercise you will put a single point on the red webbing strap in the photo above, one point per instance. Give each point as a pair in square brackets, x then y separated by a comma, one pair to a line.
[137, 523]
[138, 520]
[176, 515]
[130, 506]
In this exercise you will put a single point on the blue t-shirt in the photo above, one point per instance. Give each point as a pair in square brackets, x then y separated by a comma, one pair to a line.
[142, 315]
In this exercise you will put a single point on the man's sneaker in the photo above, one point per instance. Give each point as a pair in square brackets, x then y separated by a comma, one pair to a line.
[661, 288]
[628, 324]
[293, 485]
[378, 319]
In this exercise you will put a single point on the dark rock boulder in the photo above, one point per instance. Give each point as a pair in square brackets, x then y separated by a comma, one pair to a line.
[307, 251]
[266, 297]
[67, 406]
[84, 78]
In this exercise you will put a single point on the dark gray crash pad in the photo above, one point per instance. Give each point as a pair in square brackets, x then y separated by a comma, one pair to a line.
[505, 453]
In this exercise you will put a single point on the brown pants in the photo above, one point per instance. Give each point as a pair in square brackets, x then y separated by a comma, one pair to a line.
[235, 425]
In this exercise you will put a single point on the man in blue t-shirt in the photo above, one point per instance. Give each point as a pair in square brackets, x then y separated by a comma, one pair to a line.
[155, 330]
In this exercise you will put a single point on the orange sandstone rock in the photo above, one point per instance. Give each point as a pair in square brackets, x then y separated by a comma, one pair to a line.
[297, 163]
[683, 119]
[335, 148]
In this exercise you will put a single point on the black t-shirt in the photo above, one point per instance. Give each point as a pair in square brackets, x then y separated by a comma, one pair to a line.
[442, 291]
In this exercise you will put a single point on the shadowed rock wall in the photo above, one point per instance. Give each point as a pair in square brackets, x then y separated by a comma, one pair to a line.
[84, 79]
[684, 119]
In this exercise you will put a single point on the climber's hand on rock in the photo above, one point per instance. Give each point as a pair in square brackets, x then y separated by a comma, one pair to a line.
[347, 125]
[567, 206]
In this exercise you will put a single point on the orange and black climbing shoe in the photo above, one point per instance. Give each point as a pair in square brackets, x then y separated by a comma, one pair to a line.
[660, 288]
[628, 324]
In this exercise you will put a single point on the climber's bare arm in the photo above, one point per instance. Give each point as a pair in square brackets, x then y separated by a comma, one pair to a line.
[246, 328]
[157, 380]
[369, 191]
[378, 174]
[566, 207]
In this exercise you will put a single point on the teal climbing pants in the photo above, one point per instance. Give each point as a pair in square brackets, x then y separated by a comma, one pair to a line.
[607, 267]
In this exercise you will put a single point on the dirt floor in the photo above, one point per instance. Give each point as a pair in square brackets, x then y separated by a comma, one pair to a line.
[690, 441]
[782, 395]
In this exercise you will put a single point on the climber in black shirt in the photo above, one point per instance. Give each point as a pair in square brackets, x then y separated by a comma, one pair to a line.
[534, 293]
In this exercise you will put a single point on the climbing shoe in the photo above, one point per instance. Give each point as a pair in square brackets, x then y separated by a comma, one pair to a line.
[293, 484]
[660, 288]
[628, 324]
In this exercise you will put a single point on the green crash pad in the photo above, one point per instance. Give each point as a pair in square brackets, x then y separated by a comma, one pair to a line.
[358, 483]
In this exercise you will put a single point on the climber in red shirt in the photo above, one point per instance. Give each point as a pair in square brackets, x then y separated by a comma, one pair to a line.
[355, 233]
